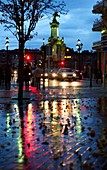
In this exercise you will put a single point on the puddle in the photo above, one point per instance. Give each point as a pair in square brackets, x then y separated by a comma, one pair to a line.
[56, 133]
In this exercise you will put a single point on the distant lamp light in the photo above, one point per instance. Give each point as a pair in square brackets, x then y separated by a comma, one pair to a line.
[103, 31]
[79, 45]
[43, 41]
[62, 39]
[7, 43]
[79, 42]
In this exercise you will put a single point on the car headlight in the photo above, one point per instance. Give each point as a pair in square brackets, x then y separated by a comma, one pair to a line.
[15, 72]
[74, 74]
[54, 74]
[46, 74]
[64, 75]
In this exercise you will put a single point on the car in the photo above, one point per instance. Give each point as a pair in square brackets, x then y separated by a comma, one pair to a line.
[69, 74]
[66, 74]
[53, 74]
[79, 74]
[45, 74]
[49, 74]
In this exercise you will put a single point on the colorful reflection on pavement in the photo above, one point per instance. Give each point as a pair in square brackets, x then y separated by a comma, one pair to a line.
[54, 134]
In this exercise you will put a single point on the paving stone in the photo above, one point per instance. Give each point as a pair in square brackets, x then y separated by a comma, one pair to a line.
[35, 141]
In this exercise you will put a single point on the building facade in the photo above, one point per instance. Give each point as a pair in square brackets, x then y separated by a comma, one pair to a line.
[13, 57]
[100, 25]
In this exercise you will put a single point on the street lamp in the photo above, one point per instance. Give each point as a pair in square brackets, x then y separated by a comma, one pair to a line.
[7, 45]
[43, 53]
[79, 46]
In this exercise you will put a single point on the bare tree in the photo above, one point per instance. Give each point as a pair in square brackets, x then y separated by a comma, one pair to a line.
[16, 14]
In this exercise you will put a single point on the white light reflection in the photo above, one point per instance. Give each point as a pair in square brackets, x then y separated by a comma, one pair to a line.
[19, 138]
[76, 112]
[45, 107]
[54, 83]
[16, 107]
[8, 121]
[54, 123]
[63, 84]
[75, 83]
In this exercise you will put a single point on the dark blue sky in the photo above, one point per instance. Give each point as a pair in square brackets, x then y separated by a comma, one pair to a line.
[77, 24]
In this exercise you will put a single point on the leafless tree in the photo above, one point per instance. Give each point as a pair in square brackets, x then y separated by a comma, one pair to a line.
[16, 14]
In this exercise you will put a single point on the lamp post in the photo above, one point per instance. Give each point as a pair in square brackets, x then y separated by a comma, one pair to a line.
[79, 46]
[7, 68]
[43, 52]
[7, 45]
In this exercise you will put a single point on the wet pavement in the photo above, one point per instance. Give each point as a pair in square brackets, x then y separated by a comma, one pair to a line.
[55, 129]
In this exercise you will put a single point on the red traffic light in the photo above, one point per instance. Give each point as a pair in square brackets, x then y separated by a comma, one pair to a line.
[84, 67]
[62, 63]
[28, 58]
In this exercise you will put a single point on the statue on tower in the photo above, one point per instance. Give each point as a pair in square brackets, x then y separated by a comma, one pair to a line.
[55, 15]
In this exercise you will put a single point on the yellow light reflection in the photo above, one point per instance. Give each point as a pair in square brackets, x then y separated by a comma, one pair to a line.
[75, 83]
[29, 113]
[20, 148]
[63, 84]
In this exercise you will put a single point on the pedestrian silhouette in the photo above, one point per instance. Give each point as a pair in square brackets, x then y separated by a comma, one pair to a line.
[27, 76]
[7, 77]
[99, 76]
[37, 76]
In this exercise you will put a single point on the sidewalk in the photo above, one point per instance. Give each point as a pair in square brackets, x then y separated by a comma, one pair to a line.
[33, 135]
[53, 93]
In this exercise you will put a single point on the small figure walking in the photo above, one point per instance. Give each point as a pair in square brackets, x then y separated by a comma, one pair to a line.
[37, 76]
[27, 76]
[99, 76]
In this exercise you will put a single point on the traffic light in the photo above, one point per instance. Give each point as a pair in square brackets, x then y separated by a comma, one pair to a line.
[28, 58]
[62, 63]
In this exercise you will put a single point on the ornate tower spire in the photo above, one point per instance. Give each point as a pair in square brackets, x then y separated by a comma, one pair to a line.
[55, 26]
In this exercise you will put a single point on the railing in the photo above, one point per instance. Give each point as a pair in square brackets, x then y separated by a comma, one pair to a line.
[98, 6]
[97, 43]
[97, 24]
[99, 3]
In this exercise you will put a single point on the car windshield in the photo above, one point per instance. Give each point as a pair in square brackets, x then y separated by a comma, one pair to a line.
[65, 70]
[54, 70]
